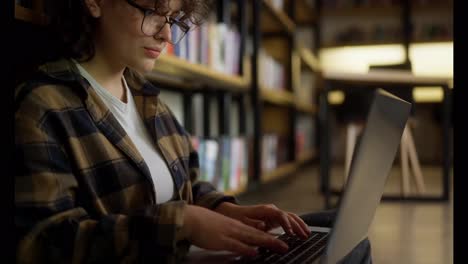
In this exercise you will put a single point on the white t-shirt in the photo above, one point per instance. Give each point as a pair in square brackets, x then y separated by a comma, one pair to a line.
[129, 118]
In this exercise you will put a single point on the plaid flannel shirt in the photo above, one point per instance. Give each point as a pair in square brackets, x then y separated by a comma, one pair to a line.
[83, 193]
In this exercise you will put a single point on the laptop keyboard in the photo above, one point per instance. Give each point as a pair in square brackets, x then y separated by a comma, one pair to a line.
[300, 250]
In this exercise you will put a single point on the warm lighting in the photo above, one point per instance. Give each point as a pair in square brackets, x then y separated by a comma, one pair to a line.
[357, 59]
[428, 94]
[428, 59]
[432, 59]
[336, 97]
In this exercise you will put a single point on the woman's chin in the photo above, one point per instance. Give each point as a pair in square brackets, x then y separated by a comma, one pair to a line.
[145, 66]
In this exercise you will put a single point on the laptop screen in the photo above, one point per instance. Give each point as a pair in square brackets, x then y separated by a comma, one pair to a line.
[370, 167]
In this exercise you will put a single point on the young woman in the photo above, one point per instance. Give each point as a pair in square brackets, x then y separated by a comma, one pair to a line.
[105, 173]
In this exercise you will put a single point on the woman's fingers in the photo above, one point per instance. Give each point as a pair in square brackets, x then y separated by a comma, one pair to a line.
[285, 223]
[273, 217]
[259, 224]
[301, 224]
[254, 237]
[297, 228]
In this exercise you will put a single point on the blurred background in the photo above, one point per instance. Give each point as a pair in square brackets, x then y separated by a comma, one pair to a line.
[275, 95]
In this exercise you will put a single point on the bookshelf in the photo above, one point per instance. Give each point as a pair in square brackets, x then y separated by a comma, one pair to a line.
[360, 43]
[306, 156]
[309, 59]
[275, 20]
[432, 20]
[280, 172]
[237, 191]
[305, 12]
[436, 27]
[272, 31]
[306, 108]
[177, 68]
[278, 97]
[279, 106]
[372, 11]
[433, 7]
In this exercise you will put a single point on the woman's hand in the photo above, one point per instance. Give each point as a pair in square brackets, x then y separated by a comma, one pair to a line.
[265, 217]
[210, 230]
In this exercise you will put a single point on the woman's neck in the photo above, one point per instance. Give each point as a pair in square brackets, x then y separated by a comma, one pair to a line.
[107, 74]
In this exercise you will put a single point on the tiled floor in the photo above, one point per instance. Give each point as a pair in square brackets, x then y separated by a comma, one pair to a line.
[400, 232]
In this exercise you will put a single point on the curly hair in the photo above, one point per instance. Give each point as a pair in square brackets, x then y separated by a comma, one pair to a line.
[71, 20]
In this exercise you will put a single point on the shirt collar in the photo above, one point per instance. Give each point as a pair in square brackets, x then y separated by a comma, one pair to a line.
[65, 70]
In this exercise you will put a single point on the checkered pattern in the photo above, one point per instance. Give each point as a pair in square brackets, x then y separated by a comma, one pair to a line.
[83, 193]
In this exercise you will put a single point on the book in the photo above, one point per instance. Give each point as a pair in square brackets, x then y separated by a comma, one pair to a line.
[211, 159]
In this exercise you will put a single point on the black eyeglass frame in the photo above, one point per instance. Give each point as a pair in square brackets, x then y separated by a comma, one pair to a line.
[169, 20]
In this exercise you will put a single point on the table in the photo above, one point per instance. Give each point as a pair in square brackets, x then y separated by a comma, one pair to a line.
[380, 79]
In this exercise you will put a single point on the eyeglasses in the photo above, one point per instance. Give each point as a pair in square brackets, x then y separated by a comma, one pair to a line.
[153, 23]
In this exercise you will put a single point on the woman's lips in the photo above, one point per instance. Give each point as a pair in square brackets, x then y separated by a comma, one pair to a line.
[152, 53]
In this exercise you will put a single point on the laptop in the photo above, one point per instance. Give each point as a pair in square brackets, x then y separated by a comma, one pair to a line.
[370, 167]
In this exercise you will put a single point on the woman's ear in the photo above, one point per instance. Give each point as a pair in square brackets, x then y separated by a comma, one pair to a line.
[94, 7]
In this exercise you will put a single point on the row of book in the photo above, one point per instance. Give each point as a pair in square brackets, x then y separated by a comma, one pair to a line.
[305, 92]
[216, 45]
[433, 31]
[360, 3]
[274, 151]
[305, 134]
[272, 72]
[223, 161]
[377, 33]
[226, 161]
[430, 2]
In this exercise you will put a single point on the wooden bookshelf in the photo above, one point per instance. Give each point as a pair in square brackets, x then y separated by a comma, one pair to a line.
[306, 156]
[362, 43]
[280, 172]
[437, 7]
[288, 168]
[376, 43]
[305, 14]
[238, 191]
[196, 74]
[368, 11]
[31, 16]
[172, 81]
[436, 40]
[274, 19]
[278, 97]
[309, 59]
[384, 77]
[306, 108]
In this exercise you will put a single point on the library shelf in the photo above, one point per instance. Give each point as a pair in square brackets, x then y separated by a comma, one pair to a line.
[307, 108]
[309, 59]
[388, 11]
[306, 156]
[280, 172]
[273, 16]
[182, 71]
[278, 97]
[235, 192]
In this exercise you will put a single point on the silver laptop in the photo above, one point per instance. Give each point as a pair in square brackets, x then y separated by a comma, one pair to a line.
[370, 167]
